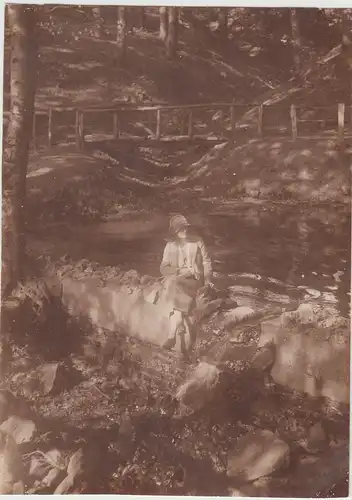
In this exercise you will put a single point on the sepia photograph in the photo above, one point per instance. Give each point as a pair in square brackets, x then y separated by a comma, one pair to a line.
[176, 250]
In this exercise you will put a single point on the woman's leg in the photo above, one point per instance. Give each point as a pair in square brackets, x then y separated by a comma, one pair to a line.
[176, 326]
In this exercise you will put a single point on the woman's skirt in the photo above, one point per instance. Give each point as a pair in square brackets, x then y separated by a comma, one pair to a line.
[180, 293]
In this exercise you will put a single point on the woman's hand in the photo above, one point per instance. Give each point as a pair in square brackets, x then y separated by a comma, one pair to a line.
[185, 272]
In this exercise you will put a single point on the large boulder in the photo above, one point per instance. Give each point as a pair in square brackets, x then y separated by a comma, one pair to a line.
[20, 429]
[201, 386]
[309, 358]
[257, 454]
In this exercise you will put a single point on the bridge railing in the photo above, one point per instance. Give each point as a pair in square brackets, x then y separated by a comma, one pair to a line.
[213, 121]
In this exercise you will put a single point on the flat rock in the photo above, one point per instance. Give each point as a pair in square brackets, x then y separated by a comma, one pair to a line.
[257, 454]
[199, 388]
[237, 314]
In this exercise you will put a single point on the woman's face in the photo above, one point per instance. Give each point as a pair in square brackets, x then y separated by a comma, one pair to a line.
[182, 234]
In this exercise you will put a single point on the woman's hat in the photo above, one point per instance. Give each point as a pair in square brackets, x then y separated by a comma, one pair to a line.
[177, 223]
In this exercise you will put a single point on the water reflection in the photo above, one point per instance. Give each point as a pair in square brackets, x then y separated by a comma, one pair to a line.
[292, 244]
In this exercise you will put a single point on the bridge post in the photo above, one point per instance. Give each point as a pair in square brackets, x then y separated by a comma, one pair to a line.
[190, 124]
[79, 129]
[232, 117]
[50, 124]
[116, 128]
[293, 114]
[34, 132]
[260, 120]
[340, 120]
[158, 124]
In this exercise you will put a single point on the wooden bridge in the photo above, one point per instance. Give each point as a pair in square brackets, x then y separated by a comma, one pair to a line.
[211, 123]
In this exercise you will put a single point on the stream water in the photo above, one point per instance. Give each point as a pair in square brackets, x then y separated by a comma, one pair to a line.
[299, 247]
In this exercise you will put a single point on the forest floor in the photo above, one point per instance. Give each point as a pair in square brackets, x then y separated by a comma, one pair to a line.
[90, 210]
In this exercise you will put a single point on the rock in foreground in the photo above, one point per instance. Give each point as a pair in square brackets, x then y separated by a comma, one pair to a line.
[257, 454]
[200, 387]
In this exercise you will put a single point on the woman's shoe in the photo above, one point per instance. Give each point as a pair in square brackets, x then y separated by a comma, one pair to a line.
[169, 344]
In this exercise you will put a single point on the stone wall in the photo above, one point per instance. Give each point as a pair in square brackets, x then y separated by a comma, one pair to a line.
[114, 307]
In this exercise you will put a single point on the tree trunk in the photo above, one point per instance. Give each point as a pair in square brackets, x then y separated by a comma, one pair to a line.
[172, 34]
[121, 34]
[98, 22]
[142, 17]
[296, 40]
[22, 21]
[163, 22]
[222, 22]
[345, 62]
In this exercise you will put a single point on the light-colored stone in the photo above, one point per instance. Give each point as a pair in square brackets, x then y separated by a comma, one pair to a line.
[310, 357]
[236, 492]
[52, 479]
[270, 329]
[238, 314]
[75, 464]
[11, 467]
[21, 430]
[200, 387]
[114, 307]
[38, 467]
[315, 362]
[321, 315]
[257, 454]
[65, 486]
[306, 314]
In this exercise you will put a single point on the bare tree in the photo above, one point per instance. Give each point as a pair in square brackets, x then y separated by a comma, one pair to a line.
[164, 21]
[346, 57]
[296, 40]
[172, 33]
[98, 22]
[22, 24]
[121, 34]
[223, 15]
[142, 17]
